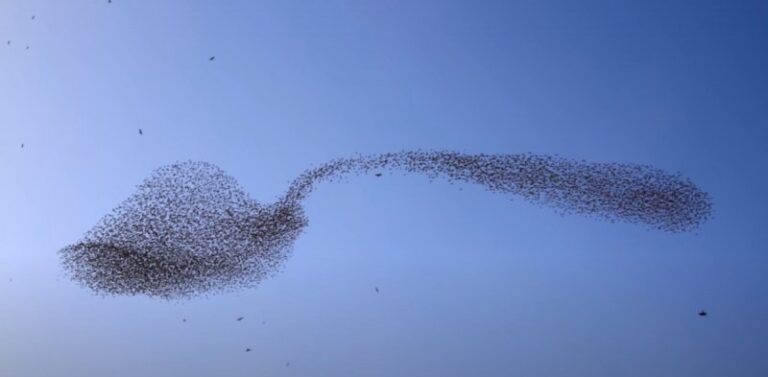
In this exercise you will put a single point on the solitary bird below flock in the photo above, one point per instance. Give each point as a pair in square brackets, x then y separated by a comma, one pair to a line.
[703, 313]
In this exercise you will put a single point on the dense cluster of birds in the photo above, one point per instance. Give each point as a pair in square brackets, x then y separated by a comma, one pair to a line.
[190, 229]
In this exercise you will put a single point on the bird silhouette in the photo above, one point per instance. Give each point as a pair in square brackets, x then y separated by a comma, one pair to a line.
[288, 364]
[184, 320]
[22, 145]
[377, 289]
[141, 132]
[240, 319]
[703, 313]
[27, 48]
[247, 350]
[8, 43]
[212, 58]
[33, 17]
[378, 174]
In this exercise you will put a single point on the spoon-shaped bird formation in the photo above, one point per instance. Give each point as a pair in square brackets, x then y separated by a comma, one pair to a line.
[190, 229]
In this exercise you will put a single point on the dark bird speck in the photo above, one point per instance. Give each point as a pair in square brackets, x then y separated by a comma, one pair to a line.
[212, 58]
[247, 350]
[378, 174]
[141, 132]
[703, 313]
[240, 319]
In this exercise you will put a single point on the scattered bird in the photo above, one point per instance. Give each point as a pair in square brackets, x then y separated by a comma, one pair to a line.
[8, 43]
[377, 289]
[703, 313]
[247, 350]
[109, 1]
[378, 174]
[27, 48]
[184, 320]
[22, 145]
[240, 319]
[288, 364]
[212, 58]
[141, 132]
[33, 16]
[263, 322]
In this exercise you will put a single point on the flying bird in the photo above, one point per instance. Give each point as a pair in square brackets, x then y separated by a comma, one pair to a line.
[22, 145]
[288, 364]
[378, 174]
[212, 58]
[141, 132]
[27, 48]
[247, 350]
[703, 313]
[9, 42]
[240, 319]
[33, 17]
[377, 289]
[184, 320]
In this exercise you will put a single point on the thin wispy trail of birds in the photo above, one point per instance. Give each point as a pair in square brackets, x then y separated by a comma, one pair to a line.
[190, 229]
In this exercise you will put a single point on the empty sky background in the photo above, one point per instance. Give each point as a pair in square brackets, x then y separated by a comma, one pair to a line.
[472, 284]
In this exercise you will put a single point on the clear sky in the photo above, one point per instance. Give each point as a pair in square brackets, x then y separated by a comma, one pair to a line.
[471, 283]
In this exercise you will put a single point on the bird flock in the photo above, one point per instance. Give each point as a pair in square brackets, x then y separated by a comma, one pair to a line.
[190, 229]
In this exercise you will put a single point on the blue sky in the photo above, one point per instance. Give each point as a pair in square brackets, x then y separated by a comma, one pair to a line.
[471, 282]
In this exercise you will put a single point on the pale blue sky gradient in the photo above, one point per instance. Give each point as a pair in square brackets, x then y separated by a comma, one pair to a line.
[472, 284]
